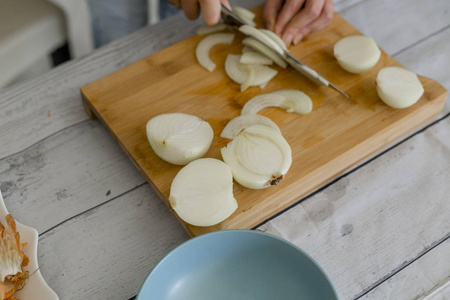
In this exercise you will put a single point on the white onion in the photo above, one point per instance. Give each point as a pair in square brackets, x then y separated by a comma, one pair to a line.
[202, 192]
[208, 29]
[244, 14]
[258, 157]
[275, 38]
[236, 125]
[179, 138]
[357, 53]
[239, 74]
[205, 45]
[289, 100]
[263, 49]
[255, 58]
[398, 87]
[251, 77]
[295, 101]
[262, 37]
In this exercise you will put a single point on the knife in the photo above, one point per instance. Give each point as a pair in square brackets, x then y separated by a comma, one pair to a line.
[234, 21]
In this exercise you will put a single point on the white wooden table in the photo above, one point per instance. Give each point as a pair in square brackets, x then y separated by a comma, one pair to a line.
[381, 230]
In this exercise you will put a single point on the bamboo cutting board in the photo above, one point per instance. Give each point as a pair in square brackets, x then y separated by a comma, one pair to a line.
[336, 135]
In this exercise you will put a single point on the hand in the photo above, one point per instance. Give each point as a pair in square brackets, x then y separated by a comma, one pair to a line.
[292, 20]
[210, 9]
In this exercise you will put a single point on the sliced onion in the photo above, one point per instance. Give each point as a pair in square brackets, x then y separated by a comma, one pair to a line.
[258, 157]
[263, 38]
[202, 192]
[398, 87]
[205, 45]
[289, 100]
[275, 38]
[236, 125]
[244, 14]
[357, 54]
[179, 138]
[237, 72]
[208, 29]
[254, 105]
[295, 101]
[255, 58]
[251, 77]
[246, 49]
[260, 47]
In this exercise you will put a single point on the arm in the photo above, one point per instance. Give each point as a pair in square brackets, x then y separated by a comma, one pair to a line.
[295, 19]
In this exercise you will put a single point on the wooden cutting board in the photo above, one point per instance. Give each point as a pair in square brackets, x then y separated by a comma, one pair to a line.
[336, 135]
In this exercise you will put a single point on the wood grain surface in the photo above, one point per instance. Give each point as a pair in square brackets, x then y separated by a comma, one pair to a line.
[336, 135]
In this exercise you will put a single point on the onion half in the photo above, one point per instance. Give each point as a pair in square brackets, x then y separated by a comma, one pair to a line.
[258, 157]
[255, 58]
[205, 45]
[398, 87]
[202, 192]
[179, 138]
[357, 53]
[236, 125]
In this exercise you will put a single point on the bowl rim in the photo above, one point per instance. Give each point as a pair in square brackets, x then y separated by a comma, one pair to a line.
[234, 231]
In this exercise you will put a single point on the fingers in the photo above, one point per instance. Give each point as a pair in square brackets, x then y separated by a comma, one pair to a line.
[191, 9]
[271, 10]
[323, 20]
[288, 11]
[296, 29]
[210, 11]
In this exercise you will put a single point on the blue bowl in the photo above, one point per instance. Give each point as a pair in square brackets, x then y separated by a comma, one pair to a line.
[237, 264]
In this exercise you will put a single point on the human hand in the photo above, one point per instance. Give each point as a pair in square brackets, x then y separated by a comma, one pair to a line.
[292, 20]
[210, 9]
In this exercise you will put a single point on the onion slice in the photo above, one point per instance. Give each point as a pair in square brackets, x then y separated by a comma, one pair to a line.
[208, 29]
[263, 49]
[398, 87]
[239, 74]
[205, 45]
[236, 125]
[244, 14]
[255, 58]
[289, 100]
[179, 138]
[262, 37]
[275, 38]
[258, 157]
[202, 192]
[357, 53]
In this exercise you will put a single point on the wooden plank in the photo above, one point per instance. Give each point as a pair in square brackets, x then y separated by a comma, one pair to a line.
[108, 252]
[419, 279]
[365, 227]
[343, 132]
[68, 173]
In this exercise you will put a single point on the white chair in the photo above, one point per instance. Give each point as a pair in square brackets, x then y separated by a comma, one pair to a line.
[30, 30]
